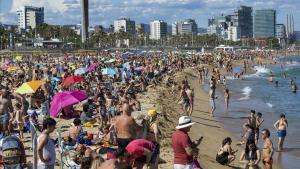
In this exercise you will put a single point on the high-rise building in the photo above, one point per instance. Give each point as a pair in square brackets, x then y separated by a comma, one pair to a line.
[30, 17]
[243, 19]
[84, 20]
[233, 33]
[158, 29]
[174, 28]
[187, 26]
[280, 31]
[264, 22]
[218, 25]
[124, 24]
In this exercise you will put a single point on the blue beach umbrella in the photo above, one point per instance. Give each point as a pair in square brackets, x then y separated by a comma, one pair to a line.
[109, 71]
[80, 71]
[125, 57]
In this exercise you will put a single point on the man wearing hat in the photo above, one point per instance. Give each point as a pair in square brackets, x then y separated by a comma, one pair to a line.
[184, 149]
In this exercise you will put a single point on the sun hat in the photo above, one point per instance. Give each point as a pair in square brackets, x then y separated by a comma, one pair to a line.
[152, 113]
[183, 122]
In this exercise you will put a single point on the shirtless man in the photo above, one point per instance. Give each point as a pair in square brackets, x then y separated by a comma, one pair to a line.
[259, 121]
[125, 127]
[267, 151]
[281, 126]
[75, 130]
[6, 108]
[190, 94]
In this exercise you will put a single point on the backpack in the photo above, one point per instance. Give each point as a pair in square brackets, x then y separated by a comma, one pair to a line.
[12, 150]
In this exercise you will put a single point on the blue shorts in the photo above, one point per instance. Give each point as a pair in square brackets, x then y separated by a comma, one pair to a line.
[281, 133]
[212, 104]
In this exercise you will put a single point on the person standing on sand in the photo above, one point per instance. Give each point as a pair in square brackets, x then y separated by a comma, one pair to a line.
[6, 108]
[281, 126]
[268, 149]
[259, 121]
[250, 157]
[46, 147]
[184, 149]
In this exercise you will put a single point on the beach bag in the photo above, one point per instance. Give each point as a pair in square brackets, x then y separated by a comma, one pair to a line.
[12, 150]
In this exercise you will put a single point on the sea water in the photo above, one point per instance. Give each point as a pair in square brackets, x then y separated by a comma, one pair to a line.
[255, 92]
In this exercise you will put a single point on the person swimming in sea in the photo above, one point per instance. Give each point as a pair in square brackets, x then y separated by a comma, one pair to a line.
[294, 88]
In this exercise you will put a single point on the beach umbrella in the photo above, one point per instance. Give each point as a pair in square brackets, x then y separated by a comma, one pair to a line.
[126, 65]
[7, 62]
[19, 58]
[125, 57]
[110, 61]
[29, 87]
[109, 71]
[65, 99]
[12, 68]
[80, 71]
[56, 79]
[71, 80]
[92, 67]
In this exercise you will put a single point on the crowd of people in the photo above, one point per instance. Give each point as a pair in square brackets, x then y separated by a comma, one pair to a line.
[112, 85]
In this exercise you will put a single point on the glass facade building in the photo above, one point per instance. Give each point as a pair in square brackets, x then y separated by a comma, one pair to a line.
[264, 23]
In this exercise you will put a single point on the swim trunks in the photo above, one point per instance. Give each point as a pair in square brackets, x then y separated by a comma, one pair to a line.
[270, 161]
[281, 133]
[4, 119]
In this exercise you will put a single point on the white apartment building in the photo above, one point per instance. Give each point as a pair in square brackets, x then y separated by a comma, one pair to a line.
[30, 17]
[126, 24]
[158, 29]
[234, 33]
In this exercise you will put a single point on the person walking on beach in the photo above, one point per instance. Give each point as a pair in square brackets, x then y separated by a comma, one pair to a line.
[250, 157]
[46, 147]
[212, 98]
[183, 100]
[280, 127]
[184, 149]
[226, 99]
[190, 94]
[226, 155]
[267, 152]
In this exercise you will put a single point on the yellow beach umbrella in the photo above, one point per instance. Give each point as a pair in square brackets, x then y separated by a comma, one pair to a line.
[19, 58]
[29, 87]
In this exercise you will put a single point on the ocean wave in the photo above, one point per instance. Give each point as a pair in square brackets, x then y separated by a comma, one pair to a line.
[230, 78]
[260, 71]
[246, 92]
[270, 105]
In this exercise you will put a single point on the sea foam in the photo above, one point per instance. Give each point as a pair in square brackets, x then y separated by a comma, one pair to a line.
[246, 92]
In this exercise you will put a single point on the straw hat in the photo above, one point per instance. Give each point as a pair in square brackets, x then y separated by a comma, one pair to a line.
[183, 122]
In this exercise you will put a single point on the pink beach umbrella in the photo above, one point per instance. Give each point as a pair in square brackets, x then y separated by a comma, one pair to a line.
[92, 67]
[65, 99]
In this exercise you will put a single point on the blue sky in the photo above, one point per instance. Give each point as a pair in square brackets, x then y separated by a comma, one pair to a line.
[103, 12]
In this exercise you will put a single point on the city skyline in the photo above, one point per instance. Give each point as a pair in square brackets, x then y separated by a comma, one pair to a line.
[101, 12]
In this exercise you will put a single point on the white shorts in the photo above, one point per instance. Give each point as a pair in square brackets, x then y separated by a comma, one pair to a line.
[183, 166]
